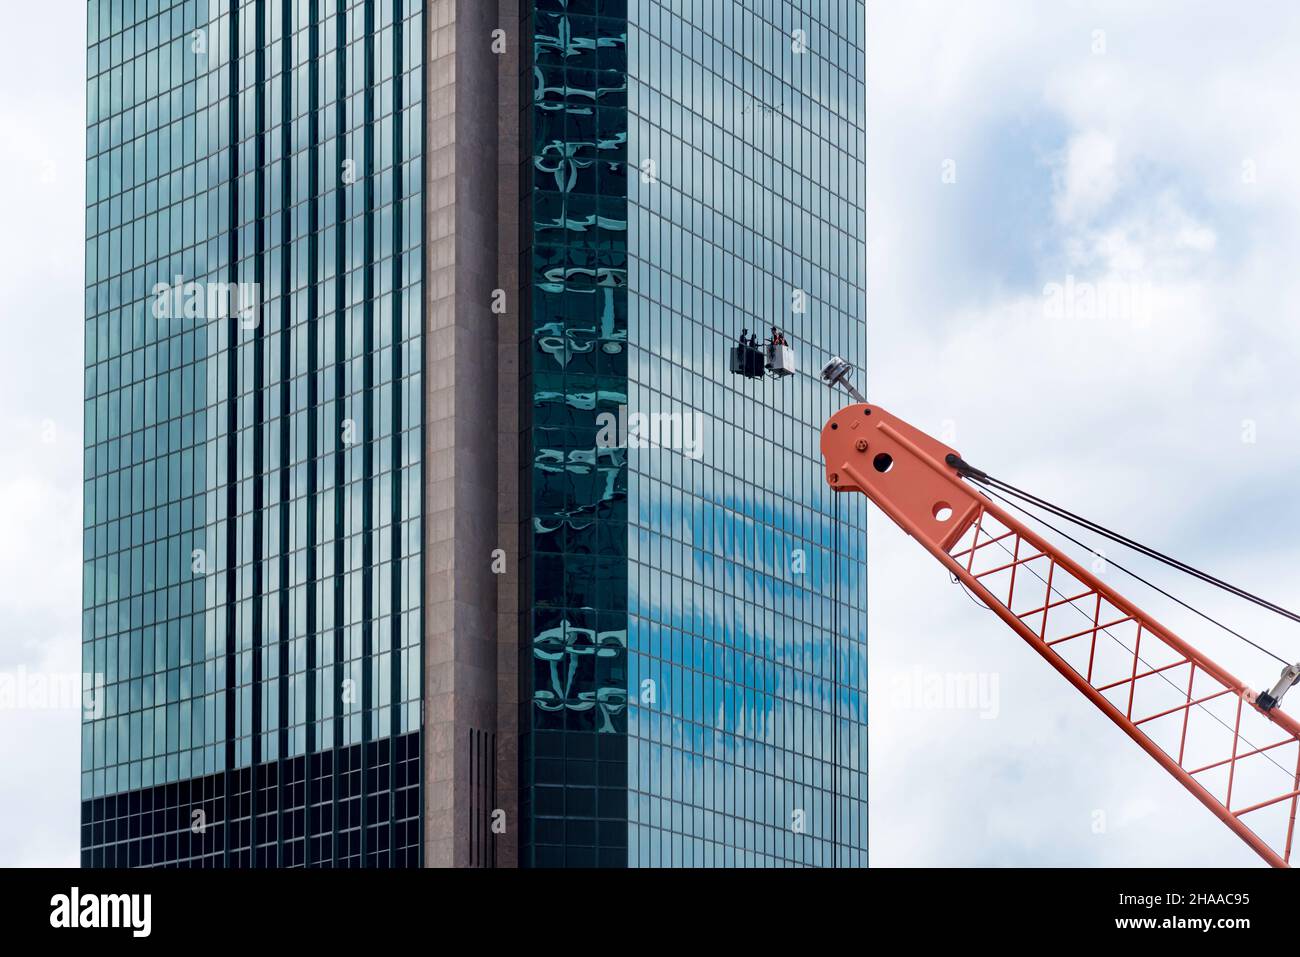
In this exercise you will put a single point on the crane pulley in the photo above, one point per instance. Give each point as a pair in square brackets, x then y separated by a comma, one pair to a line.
[1232, 748]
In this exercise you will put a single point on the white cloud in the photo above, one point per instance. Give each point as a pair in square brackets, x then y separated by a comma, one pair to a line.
[1087, 177]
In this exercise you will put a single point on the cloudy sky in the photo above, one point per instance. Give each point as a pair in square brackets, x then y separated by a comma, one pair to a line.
[42, 193]
[1144, 149]
[1014, 147]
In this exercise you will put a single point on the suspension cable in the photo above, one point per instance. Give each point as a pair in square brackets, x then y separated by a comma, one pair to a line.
[1134, 575]
[988, 481]
[1052, 589]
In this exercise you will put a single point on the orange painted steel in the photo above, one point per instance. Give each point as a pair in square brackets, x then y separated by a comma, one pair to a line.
[906, 473]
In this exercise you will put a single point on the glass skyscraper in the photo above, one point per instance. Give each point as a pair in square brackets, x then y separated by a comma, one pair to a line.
[253, 423]
[698, 597]
[423, 521]
[746, 123]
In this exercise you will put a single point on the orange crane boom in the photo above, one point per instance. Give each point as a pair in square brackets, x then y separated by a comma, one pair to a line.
[1204, 726]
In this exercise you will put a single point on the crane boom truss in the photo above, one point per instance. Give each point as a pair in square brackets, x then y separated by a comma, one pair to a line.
[1191, 715]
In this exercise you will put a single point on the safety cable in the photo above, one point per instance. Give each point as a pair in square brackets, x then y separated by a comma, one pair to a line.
[1134, 575]
[966, 591]
[983, 478]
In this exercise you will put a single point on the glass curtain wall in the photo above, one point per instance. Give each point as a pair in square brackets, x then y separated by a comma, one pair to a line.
[253, 424]
[574, 730]
[747, 581]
